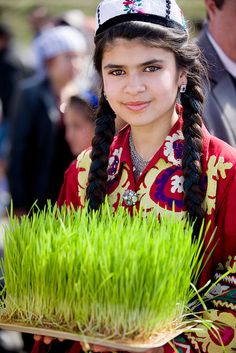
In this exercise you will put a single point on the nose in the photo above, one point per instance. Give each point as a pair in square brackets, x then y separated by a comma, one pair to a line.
[134, 85]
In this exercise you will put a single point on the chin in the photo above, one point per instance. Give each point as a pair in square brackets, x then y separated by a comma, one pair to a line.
[139, 123]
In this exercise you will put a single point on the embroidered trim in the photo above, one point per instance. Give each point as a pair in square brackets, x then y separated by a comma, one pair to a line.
[184, 23]
[216, 168]
[219, 303]
[193, 342]
[133, 6]
[168, 7]
[169, 148]
[131, 16]
[114, 163]
[99, 15]
[177, 184]
[228, 279]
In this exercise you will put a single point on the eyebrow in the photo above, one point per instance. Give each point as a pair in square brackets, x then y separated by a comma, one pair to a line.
[149, 62]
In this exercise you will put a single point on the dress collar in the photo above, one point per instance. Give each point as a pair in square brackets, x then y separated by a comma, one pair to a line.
[120, 151]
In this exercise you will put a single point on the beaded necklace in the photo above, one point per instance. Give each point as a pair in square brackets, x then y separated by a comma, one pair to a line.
[139, 164]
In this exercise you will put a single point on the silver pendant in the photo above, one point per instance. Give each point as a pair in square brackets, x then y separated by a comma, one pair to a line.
[130, 197]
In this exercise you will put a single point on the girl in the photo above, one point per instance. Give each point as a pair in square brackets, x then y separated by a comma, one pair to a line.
[79, 124]
[150, 75]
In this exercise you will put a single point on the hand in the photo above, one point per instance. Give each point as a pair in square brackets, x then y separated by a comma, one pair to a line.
[46, 339]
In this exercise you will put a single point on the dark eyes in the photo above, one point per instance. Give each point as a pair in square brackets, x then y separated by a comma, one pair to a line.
[151, 68]
[120, 72]
[117, 72]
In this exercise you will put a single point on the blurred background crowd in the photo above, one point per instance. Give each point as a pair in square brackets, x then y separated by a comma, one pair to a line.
[49, 93]
[47, 100]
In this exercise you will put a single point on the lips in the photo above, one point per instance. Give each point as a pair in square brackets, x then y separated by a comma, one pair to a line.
[137, 106]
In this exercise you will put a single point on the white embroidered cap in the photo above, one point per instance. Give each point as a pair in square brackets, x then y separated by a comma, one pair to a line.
[57, 40]
[164, 12]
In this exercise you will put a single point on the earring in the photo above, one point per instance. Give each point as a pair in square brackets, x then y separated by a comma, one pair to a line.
[183, 88]
[105, 96]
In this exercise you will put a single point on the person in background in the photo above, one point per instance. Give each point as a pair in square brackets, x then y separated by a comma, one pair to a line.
[77, 19]
[39, 153]
[89, 79]
[40, 19]
[79, 119]
[218, 44]
[11, 72]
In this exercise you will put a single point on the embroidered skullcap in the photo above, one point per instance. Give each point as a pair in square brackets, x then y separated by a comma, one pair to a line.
[163, 12]
[57, 40]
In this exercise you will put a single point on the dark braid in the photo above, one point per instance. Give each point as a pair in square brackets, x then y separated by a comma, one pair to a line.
[192, 101]
[104, 134]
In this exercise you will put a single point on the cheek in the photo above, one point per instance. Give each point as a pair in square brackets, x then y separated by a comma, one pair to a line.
[88, 135]
[65, 67]
[69, 134]
[83, 136]
[168, 85]
[77, 136]
[111, 88]
[68, 66]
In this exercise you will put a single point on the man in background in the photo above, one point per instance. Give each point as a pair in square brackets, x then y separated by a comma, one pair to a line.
[218, 43]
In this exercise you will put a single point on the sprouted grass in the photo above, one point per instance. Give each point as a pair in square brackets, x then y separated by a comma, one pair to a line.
[101, 274]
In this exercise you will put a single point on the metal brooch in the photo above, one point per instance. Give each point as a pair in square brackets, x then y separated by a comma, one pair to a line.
[130, 197]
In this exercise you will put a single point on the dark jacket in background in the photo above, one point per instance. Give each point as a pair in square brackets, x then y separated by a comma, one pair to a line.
[10, 72]
[220, 106]
[39, 154]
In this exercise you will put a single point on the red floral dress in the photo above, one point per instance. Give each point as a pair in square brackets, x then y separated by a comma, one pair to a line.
[161, 184]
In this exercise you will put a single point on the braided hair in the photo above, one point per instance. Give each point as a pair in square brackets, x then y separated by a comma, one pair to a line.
[104, 134]
[194, 193]
[187, 57]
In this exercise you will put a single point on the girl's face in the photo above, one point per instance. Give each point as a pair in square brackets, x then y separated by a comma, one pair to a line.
[64, 67]
[79, 130]
[141, 82]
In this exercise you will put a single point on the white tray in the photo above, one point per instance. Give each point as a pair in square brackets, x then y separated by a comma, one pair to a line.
[114, 344]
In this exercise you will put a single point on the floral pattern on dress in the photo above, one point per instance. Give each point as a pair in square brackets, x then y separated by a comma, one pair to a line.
[217, 290]
[216, 169]
[148, 196]
[114, 163]
[212, 341]
[165, 178]
[173, 147]
[133, 6]
[83, 165]
[162, 189]
[177, 183]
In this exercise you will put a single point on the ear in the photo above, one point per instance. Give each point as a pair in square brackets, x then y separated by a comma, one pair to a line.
[182, 77]
[211, 8]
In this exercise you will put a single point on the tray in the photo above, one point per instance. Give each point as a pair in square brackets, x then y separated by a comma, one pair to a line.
[133, 346]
